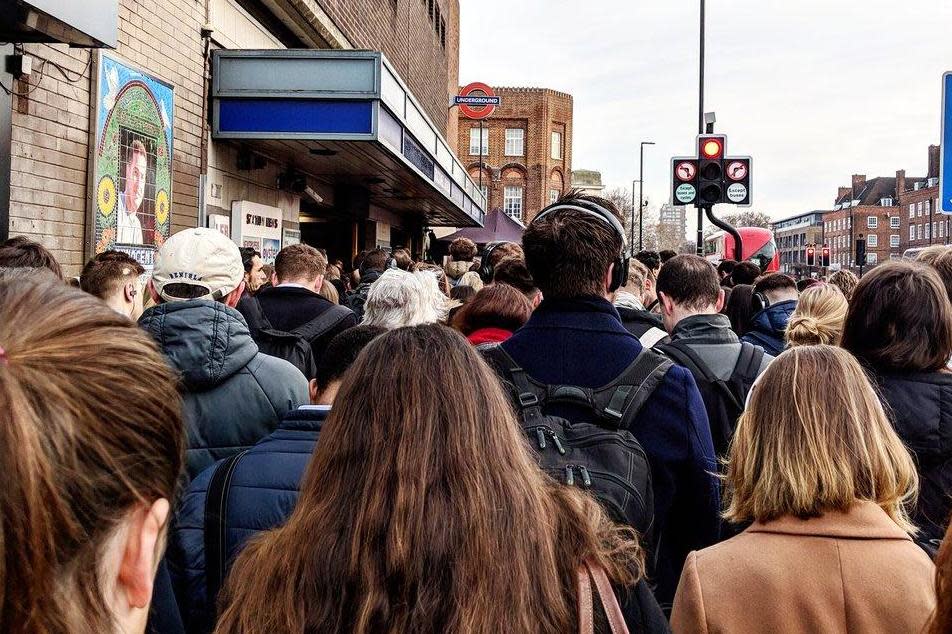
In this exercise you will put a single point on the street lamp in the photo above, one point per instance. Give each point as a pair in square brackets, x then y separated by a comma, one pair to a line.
[641, 198]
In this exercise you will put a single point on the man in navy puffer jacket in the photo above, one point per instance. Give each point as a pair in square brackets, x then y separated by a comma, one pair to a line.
[576, 338]
[264, 487]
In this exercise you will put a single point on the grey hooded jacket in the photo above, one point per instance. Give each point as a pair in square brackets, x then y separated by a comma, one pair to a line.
[233, 395]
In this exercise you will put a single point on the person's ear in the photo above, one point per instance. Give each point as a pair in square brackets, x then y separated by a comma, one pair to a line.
[608, 277]
[313, 391]
[719, 305]
[536, 300]
[129, 293]
[318, 283]
[274, 279]
[667, 304]
[649, 285]
[141, 552]
[231, 299]
[152, 292]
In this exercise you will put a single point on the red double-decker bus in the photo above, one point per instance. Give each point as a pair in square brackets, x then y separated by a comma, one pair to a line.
[759, 248]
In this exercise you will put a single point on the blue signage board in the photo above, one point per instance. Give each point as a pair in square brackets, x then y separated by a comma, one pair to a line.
[945, 174]
[294, 116]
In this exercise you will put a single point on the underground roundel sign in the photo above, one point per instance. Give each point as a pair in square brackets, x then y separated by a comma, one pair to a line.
[477, 101]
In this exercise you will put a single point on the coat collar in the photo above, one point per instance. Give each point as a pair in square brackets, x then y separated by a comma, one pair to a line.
[865, 520]
[712, 329]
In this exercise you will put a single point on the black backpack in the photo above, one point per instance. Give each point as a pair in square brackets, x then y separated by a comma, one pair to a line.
[723, 400]
[605, 457]
[295, 346]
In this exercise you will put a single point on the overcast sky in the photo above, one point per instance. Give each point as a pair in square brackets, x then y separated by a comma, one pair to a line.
[814, 90]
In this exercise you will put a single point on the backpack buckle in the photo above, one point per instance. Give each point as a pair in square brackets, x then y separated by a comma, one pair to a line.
[528, 399]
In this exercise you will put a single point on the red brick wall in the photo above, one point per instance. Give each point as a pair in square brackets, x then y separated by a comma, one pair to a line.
[539, 112]
[406, 33]
[924, 212]
[51, 125]
[839, 238]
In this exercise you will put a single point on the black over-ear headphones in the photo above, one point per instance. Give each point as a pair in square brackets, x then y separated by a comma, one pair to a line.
[486, 269]
[759, 302]
[623, 261]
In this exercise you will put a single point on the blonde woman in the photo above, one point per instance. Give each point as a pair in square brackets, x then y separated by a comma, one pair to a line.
[818, 469]
[819, 317]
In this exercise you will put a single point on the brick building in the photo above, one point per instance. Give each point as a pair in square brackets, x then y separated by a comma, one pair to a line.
[868, 210]
[346, 194]
[793, 234]
[527, 150]
[922, 223]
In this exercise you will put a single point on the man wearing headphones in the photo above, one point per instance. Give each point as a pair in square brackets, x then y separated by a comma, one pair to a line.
[775, 299]
[575, 250]
[116, 278]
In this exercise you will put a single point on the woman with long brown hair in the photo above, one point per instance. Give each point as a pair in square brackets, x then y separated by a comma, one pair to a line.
[91, 448]
[423, 511]
[825, 481]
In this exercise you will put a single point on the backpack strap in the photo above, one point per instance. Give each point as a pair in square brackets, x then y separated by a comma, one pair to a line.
[749, 362]
[687, 357]
[528, 399]
[628, 393]
[257, 320]
[323, 323]
[216, 514]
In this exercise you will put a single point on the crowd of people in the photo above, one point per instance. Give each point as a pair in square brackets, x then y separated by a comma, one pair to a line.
[547, 437]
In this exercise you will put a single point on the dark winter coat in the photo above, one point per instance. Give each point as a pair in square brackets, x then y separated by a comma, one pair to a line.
[582, 342]
[358, 297]
[920, 408]
[232, 394]
[768, 328]
[263, 493]
[289, 307]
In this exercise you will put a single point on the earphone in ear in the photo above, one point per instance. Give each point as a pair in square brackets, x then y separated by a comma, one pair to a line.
[621, 263]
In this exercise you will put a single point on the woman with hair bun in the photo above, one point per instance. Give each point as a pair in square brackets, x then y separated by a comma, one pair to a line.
[819, 317]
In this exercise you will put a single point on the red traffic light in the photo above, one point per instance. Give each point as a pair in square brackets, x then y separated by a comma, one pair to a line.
[811, 251]
[826, 252]
[711, 148]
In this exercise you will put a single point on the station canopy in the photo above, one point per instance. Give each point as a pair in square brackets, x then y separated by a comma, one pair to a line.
[344, 117]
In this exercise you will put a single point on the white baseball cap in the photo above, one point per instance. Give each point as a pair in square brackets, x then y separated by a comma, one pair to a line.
[198, 257]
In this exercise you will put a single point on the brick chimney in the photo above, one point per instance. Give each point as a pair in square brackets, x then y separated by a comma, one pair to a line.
[859, 180]
[900, 183]
[933, 162]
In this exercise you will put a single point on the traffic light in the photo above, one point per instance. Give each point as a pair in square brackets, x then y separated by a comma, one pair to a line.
[811, 255]
[861, 251]
[710, 156]
[826, 255]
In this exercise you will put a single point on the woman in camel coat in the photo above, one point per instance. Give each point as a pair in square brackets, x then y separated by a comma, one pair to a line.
[818, 469]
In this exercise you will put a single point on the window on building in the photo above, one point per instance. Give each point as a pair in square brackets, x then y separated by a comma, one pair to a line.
[928, 231]
[512, 202]
[557, 145]
[872, 222]
[894, 222]
[912, 232]
[894, 240]
[941, 229]
[474, 142]
[886, 202]
[485, 191]
[912, 210]
[515, 142]
[927, 204]
[553, 195]
[872, 241]
[918, 232]
[919, 209]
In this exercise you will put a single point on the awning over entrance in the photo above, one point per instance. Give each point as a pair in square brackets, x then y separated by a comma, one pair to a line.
[346, 118]
[90, 23]
[498, 228]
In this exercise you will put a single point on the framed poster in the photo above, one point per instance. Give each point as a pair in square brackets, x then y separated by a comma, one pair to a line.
[131, 159]
[257, 226]
[291, 236]
[220, 223]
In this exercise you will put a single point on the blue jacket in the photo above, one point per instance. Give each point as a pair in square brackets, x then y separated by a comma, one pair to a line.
[263, 493]
[768, 328]
[583, 342]
[232, 395]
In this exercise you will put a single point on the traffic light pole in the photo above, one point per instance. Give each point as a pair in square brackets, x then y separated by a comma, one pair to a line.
[738, 242]
[700, 129]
